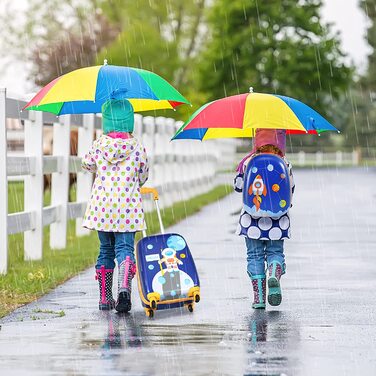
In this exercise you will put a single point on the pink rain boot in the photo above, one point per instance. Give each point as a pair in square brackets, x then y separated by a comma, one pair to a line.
[127, 270]
[104, 277]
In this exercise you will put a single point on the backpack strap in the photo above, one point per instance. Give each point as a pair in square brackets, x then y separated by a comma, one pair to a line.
[240, 168]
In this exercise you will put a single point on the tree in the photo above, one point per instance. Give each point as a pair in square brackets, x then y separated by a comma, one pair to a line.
[369, 80]
[162, 36]
[57, 36]
[356, 111]
[276, 46]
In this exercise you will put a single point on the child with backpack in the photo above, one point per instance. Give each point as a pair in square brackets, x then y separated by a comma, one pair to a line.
[115, 206]
[265, 178]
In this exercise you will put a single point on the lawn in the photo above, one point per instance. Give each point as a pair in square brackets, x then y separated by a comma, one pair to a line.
[28, 280]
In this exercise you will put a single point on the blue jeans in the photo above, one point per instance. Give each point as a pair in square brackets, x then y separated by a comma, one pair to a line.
[259, 251]
[113, 245]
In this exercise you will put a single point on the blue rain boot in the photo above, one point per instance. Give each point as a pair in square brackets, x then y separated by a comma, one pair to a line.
[104, 277]
[259, 291]
[275, 271]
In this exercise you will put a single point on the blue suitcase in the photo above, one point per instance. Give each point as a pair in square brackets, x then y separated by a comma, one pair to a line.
[166, 272]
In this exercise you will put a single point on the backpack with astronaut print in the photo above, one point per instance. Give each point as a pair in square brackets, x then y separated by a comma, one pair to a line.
[267, 190]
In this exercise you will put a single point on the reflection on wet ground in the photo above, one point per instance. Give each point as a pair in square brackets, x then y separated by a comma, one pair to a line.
[263, 344]
[272, 339]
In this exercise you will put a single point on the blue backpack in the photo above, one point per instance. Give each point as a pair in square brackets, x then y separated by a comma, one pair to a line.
[267, 190]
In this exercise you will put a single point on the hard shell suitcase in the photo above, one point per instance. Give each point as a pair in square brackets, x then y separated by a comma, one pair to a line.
[166, 272]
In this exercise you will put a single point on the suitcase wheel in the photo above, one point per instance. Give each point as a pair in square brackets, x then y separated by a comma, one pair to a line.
[194, 293]
[154, 298]
[149, 312]
[190, 307]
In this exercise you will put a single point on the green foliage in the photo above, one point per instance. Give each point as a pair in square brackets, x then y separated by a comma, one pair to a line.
[369, 7]
[276, 46]
[55, 37]
[355, 113]
[28, 280]
[160, 36]
[356, 110]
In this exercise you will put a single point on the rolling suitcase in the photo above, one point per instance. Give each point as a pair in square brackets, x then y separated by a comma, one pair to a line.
[166, 272]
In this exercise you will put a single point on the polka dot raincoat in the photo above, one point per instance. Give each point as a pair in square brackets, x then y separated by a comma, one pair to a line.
[263, 228]
[121, 168]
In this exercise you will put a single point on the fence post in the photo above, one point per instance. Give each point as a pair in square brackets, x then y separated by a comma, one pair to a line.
[319, 158]
[356, 157]
[60, 183]
[33, 185]
[339, 158]
[84, 179]
[301, 158]
[3, 185]
[148, 126]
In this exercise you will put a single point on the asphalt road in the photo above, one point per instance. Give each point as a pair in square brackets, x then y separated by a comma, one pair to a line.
[326, 324]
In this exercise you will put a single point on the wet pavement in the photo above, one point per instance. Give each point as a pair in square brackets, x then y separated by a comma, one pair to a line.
[326, 324]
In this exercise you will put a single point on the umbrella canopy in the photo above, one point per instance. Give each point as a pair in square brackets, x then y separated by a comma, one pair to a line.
[240, 116]
[85, 90]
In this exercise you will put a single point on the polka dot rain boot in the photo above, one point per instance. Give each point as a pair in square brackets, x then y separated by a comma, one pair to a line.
[127, 270]
[259, 291]
[275, 271]
[104, 277]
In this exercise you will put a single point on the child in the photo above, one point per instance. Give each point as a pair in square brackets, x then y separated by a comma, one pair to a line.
[115, 207]
[264, 235]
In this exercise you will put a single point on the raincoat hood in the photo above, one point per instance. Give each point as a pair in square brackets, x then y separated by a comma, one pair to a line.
[276, 137]
[116, 149]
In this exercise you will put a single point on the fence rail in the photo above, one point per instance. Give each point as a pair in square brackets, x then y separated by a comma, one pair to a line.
[308, 159]
[179, 169]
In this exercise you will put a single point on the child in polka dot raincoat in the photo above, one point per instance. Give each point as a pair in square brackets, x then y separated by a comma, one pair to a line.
[115, 210]
[264, 236]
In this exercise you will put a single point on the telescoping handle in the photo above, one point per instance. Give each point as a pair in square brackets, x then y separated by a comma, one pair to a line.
[154, 192]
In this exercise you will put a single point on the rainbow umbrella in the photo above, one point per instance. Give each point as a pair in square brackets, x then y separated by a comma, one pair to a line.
[85, 90]
[240, 116]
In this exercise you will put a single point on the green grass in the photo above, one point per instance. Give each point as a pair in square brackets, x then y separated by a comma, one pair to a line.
[28, 280]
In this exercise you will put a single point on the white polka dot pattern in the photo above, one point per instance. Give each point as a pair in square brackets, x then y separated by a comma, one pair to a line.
[263, 228]
[245, 220]
[121, 168]
[265, 223]
[275, 233]
[253, 232]
[284, 223]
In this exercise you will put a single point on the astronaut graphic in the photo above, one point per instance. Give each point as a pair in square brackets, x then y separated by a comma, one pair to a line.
[170, 282]
[170, 259]
[171, 287]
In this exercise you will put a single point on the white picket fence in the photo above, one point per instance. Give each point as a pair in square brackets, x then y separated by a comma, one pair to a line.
[179, 169]
[320, 159]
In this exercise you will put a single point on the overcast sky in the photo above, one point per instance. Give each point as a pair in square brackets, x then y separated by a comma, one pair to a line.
[344, 14]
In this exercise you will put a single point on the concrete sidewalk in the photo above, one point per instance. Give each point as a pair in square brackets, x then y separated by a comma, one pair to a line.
[326, 324]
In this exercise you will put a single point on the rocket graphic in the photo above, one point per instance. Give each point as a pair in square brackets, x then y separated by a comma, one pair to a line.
[257, 188]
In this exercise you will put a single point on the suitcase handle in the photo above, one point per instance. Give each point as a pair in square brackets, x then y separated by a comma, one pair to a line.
[154, 192]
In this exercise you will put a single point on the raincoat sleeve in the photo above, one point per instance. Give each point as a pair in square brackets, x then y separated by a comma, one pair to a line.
[88, 161]
[239, 182]
[144, 167]
[291, 176]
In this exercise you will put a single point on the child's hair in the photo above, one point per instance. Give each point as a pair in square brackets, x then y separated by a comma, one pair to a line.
[269, 149]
